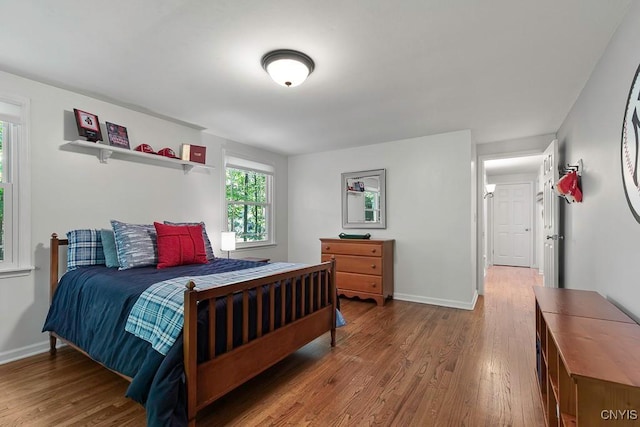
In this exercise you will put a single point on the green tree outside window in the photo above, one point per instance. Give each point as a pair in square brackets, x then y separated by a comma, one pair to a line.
[247, 204]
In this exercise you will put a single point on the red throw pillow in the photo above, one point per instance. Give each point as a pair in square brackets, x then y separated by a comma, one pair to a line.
[180, 245]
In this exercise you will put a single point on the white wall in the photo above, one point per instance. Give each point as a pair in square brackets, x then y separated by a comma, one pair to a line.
[531, 144]
[429, 207]
[71, 189]
[514, 178]
[473, 215]
[601, 237]
[484, 210]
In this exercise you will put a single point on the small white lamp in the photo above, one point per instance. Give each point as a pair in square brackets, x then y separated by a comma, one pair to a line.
[228, 241]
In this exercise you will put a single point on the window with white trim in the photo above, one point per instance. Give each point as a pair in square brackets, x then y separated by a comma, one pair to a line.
[15, 212]
[249, 201]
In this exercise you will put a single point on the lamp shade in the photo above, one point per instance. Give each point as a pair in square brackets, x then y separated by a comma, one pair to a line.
[228, 241]
[286, 67]
[490, 188]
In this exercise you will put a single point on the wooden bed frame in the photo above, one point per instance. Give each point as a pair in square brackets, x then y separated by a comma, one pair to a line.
[244, 362]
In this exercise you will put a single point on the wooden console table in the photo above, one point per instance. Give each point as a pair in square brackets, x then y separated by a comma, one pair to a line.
[588, 354]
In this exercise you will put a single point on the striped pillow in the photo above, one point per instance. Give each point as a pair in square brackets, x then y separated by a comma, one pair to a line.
[136, 244]
[85, 248]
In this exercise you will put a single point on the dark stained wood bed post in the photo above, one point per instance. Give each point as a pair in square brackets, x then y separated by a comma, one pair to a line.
[190, 337]
[334, 293]
[53, 284]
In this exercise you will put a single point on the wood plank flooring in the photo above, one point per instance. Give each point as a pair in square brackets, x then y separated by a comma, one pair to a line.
[404, 364]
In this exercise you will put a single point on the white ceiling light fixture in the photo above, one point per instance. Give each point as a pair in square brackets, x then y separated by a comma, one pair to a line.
[287, 67]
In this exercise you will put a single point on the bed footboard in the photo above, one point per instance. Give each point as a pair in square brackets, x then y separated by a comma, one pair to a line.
[315, 316]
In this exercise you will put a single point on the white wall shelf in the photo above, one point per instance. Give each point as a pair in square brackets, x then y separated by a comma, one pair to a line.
[106, 151]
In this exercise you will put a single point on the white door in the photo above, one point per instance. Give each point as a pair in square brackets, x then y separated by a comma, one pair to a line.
[512, 225]
[550, 215]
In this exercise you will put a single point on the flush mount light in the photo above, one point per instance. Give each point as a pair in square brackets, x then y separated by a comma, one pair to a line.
[287, 67]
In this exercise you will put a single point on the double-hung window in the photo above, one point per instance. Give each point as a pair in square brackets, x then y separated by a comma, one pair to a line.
[249, 201]
[15, 213]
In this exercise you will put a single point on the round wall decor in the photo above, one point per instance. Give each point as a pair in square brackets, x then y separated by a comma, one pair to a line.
[630, 148]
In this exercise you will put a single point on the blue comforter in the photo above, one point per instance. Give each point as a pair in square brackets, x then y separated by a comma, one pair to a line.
[90, 309]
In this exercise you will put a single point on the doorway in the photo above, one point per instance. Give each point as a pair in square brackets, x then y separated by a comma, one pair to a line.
[511, 173]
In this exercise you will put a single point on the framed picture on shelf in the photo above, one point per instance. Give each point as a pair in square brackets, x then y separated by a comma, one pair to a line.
[88, 125]
[117, 135]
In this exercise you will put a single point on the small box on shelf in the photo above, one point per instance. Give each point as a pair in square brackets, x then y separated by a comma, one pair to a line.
[194, 153]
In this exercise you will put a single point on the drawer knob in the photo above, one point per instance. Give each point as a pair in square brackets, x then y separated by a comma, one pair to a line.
[373, 285]
[373, 266]
[373, 251]
[327, 247]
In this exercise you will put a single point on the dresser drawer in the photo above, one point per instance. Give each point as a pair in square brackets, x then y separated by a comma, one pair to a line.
[346, 248]
[359, 282]
[357, 264]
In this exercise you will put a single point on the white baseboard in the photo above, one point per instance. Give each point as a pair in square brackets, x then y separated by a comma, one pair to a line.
[437, 301]
[21, 353]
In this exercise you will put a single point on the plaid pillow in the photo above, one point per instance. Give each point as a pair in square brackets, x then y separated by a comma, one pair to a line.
[85, 248]
[207, 243]
[136, 245]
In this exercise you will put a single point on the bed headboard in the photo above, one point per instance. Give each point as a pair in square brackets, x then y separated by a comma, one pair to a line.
[55, 260]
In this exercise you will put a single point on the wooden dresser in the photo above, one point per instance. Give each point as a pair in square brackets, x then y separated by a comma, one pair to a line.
[364, 268]
[588, 353]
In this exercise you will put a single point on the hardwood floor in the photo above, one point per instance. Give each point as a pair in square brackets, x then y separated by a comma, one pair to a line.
[404, 364]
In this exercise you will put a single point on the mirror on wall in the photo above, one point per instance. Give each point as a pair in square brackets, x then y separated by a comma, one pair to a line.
[363, 199]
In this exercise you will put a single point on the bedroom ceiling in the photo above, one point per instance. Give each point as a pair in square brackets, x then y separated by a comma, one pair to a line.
[385, 70]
